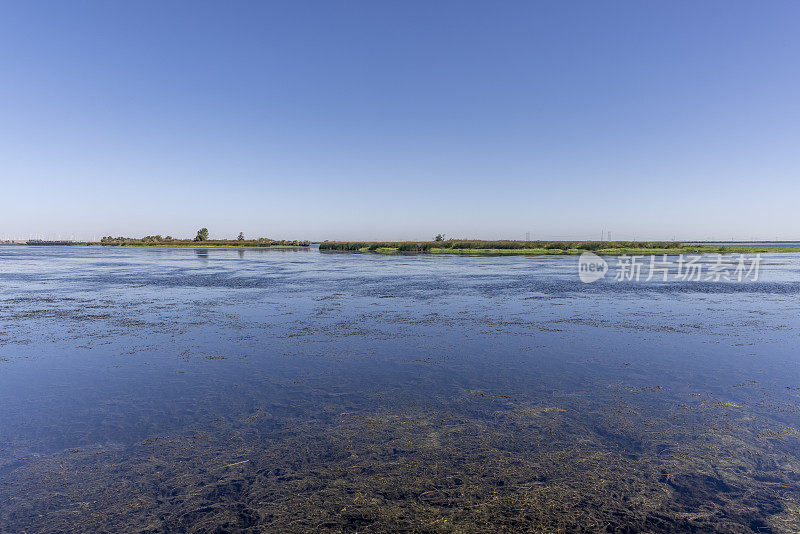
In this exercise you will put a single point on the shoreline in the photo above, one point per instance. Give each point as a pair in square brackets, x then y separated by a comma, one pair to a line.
[500, 248]
[153, 245]
[190, 243]
[550, 248]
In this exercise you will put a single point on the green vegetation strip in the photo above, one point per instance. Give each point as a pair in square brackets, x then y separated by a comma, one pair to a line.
[158, 241]
[545, 247]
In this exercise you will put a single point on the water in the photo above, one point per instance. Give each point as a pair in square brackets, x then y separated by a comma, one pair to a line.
[203, 390]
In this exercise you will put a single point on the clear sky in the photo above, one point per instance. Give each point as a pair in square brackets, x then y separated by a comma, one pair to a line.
[400, 119]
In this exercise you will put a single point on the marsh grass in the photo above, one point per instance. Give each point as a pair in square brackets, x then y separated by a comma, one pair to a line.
[545, 247]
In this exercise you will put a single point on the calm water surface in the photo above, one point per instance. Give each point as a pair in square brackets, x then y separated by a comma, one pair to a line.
[223, 390]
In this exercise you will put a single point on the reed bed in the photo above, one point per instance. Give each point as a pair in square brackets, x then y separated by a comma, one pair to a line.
[479, 245]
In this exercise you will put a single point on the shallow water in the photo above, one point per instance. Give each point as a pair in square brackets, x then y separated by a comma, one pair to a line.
[158, 390]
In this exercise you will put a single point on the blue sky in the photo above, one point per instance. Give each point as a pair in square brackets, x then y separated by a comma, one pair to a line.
[400, 120]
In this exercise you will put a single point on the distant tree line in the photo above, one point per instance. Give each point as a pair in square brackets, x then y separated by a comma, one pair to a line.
[201, 237]
[146, 239]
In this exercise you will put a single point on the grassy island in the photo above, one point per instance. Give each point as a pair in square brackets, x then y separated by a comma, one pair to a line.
[455, 246]
[158, 241]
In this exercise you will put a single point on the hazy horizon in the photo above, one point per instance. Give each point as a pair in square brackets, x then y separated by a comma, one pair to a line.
[378, 121]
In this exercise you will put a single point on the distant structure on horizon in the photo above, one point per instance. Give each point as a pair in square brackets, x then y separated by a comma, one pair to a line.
[41, 242]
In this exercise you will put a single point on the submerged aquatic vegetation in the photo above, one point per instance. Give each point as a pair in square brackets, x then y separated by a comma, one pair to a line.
[332, 394]
[423, 471]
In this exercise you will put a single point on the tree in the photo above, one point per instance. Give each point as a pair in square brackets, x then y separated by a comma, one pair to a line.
[439, 237]
[241, 236]
[202, 235]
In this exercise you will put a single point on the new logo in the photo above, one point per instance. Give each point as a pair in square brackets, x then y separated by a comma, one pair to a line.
[591, 267]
